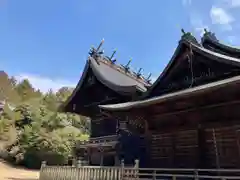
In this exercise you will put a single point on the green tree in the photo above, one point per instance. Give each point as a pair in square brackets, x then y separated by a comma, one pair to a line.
[23, 115]
[63, 93]
[25, 90]
[33, 129]
[7, 88]
[13, 81]
[50, 100]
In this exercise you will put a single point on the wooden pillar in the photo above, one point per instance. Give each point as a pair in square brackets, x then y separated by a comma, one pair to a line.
[136, 163]
[89, 157]
[146, 127]
[101, 159]
[79, 163]
[122, 169]
[173, 138]
[122, 163]
[44, 163]
[238, 145]
[201, 148]
[116, 161]
[147, 139]
[101, 156]
[216, 148]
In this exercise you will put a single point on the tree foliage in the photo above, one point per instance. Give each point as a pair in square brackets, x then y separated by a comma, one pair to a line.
[32, 128]
[7, 88]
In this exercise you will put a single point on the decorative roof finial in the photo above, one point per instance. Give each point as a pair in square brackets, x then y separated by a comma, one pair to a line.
[114, 60]
[150, 74]
[209, 35]
[92, 51]
[130, 60]
[139, 72]
[187, 36]
[96, 52]
[100, 45]
[127, 65]
[148, 78]
[114, 52]
[183, 31]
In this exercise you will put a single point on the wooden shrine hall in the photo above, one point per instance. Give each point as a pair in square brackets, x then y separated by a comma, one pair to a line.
[189, 117]
[103, 82]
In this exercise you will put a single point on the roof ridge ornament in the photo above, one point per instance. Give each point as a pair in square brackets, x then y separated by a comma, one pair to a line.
[209, 35]
[114, 52]
[100, 45]
[139, 72]
[147, 79]
[149, 76]
[183, 31]
[188, 36]
[112, 56]
[127, 65]
[96, 52]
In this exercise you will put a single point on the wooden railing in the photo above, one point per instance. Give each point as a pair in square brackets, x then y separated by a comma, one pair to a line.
[86, 173]
[102, 140]
[133, 173]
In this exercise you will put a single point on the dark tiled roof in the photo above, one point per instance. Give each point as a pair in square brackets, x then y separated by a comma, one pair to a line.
[216, 56]
[210, 37]
[197, 48]
[189, 42]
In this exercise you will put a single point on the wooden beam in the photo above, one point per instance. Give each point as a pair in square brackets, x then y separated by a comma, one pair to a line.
[195, 109]
[107, 114]
[100, 102]
[146, 126]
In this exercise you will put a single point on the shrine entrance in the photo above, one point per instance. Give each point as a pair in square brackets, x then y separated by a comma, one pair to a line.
[109, 160]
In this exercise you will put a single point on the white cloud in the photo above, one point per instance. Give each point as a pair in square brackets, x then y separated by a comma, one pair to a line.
[45, 83]
[221, 17]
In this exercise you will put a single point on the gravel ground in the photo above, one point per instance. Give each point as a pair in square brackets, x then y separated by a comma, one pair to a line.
[12, 173]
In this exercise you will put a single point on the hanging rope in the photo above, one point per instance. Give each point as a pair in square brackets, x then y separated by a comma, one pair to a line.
[190, 60]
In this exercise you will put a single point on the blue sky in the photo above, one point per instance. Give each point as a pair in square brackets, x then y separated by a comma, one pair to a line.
[47, 41]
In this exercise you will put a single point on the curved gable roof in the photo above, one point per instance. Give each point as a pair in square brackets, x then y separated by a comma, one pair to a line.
[115, 77]
[77, 88]
[189, 43]
[210, 39]
[112, 76]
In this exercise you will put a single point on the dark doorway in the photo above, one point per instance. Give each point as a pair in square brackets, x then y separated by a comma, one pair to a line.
[108, 160]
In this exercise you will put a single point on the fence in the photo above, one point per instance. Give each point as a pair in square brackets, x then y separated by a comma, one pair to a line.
[133, 173]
